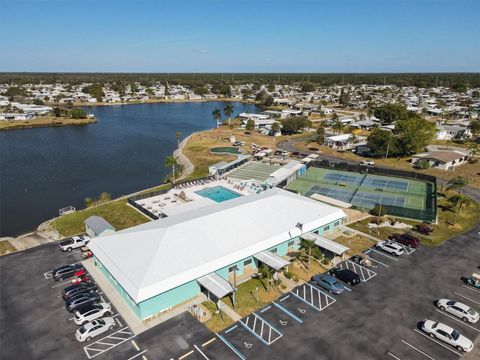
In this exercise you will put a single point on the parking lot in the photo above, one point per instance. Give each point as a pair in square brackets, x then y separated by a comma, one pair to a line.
[376, 319]
[39, 326]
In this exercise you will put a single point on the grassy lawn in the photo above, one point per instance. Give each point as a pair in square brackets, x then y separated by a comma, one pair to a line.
[356, 243]
[6, 247]
[246, 301]
[117, 213]
[156, 188]
[301, 273]
[216, 323]
[444, 230]
[43, 121]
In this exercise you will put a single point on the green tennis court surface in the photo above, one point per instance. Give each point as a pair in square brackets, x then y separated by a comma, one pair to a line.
[364, 191]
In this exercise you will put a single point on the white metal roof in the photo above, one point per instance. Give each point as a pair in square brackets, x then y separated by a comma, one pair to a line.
[155, 257]
[325, 243]
[217, 285]
[272, 260]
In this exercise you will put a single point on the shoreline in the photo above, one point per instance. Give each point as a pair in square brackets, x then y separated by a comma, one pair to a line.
[159, 101]
[42, 122]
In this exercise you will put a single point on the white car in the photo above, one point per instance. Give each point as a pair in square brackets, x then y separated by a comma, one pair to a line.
[367, 163]
[462, 311]
[448, 335]
[94, 328]
[390, 247]
[74, 242]
[91, 312]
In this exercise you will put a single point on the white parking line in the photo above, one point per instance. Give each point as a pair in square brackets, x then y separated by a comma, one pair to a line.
[61, 284]
[466, 297]
[458, 320]
[48, 274]
[471, 289]
[395, 357]
[135, 356]
[201, 352]
[118, 322]
[388, 256]
[438, 342]
[418, 350]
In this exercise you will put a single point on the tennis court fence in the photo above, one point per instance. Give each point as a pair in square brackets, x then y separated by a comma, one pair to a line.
[428, 214]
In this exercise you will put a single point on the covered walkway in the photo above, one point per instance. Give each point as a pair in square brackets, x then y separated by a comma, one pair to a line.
[324, 243]
[216, 285]
[272, 260]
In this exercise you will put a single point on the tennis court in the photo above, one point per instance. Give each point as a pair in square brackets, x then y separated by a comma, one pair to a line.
[363, 191]
[254, 170]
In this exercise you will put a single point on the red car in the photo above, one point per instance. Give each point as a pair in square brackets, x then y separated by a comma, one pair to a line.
[405, 239]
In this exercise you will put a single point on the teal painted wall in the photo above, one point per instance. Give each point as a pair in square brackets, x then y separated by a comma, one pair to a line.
[118, 287]
[169, 299]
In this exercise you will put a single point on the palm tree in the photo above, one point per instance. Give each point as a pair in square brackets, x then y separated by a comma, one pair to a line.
[307, 247]
[338, 127]
[173, 162]
[228, 110]
[457, 183]
[458, 200]
[178, 135]
[473, 148]
[217, 116]
[265, 272]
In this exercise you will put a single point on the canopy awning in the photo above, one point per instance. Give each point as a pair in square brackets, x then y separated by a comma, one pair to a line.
[272, 260]
[217, 285]
[325, 243]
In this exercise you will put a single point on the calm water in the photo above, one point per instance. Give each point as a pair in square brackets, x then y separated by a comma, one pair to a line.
[43, 170]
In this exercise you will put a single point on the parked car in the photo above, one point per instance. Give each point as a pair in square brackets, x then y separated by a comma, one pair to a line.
[406, 239]
[80, 300]
[67, 271]
[423, 228]
[277, 153]
[447, 334]
[73, 290]
[295, 154]
[91, 312]
[363, 260]
[462, 311]
[284, 153]
[94, 328]
[473, 280]
[390, 247]
[348, 276]
[329, 283]
[367, 163]
[74, 242]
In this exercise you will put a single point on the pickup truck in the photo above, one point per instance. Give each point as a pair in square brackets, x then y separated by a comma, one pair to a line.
[74, 242]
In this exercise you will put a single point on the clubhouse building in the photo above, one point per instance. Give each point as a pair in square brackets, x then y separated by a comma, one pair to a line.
[163, 263]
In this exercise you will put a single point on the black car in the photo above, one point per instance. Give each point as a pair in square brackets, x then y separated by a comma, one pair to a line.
[347, 276]
[66, 271]
[73, 290]
[81, 300]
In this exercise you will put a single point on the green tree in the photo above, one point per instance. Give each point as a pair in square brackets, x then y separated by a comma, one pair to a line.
[414, 134]
[57, 112]
[344, 98]
[474, 128]
[320, 135]
[38, 102]
[250, 126]
[295, 124]
[265, 273]
[459, 201]
[178, 136]
[307, 87]
[422, 164]
[308, 250]
[378, 210]
[149, 91]
[458, 183]
[89, 202]
[473, 149]
[338, 127]
[228, 111]
[389, 113]
[104, 197]
[95, 90]
[173, 162]
[379, 141]
[78, 114]
[275, 127]
[217, 116]
[271, 87]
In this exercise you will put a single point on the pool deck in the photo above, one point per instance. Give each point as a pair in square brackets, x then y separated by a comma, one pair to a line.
[185, 199]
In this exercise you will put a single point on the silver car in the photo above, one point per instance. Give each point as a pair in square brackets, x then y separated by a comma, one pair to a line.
[94, 328]
[462, 311]
[92, 312]
[390, 247]
[448, 335]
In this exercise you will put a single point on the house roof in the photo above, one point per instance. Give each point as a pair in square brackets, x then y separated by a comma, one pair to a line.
[155, 257]
[442, 156]
[98, 224]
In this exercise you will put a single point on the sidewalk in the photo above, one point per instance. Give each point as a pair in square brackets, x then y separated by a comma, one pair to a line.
[232, 314]
[188, 167]
[346, 228]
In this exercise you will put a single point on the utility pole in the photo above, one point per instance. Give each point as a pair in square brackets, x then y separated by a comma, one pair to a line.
[388, 146]
[235, 286]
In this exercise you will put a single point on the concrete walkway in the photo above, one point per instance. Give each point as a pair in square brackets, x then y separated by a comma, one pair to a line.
[232, 314]
[188, 167]
[346, 228]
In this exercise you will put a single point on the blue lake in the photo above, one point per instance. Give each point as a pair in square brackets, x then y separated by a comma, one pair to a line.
[45, 169]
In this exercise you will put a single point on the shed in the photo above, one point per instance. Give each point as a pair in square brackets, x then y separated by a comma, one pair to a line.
[98, 226]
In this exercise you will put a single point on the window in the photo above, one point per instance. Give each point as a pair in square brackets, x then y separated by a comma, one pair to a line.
[274, 250]
[326, 228]
[247, 262]
[336, 223]
[291, 243]
[232, 268]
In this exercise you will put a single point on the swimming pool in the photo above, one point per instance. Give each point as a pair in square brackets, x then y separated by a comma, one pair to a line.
[218, 193]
